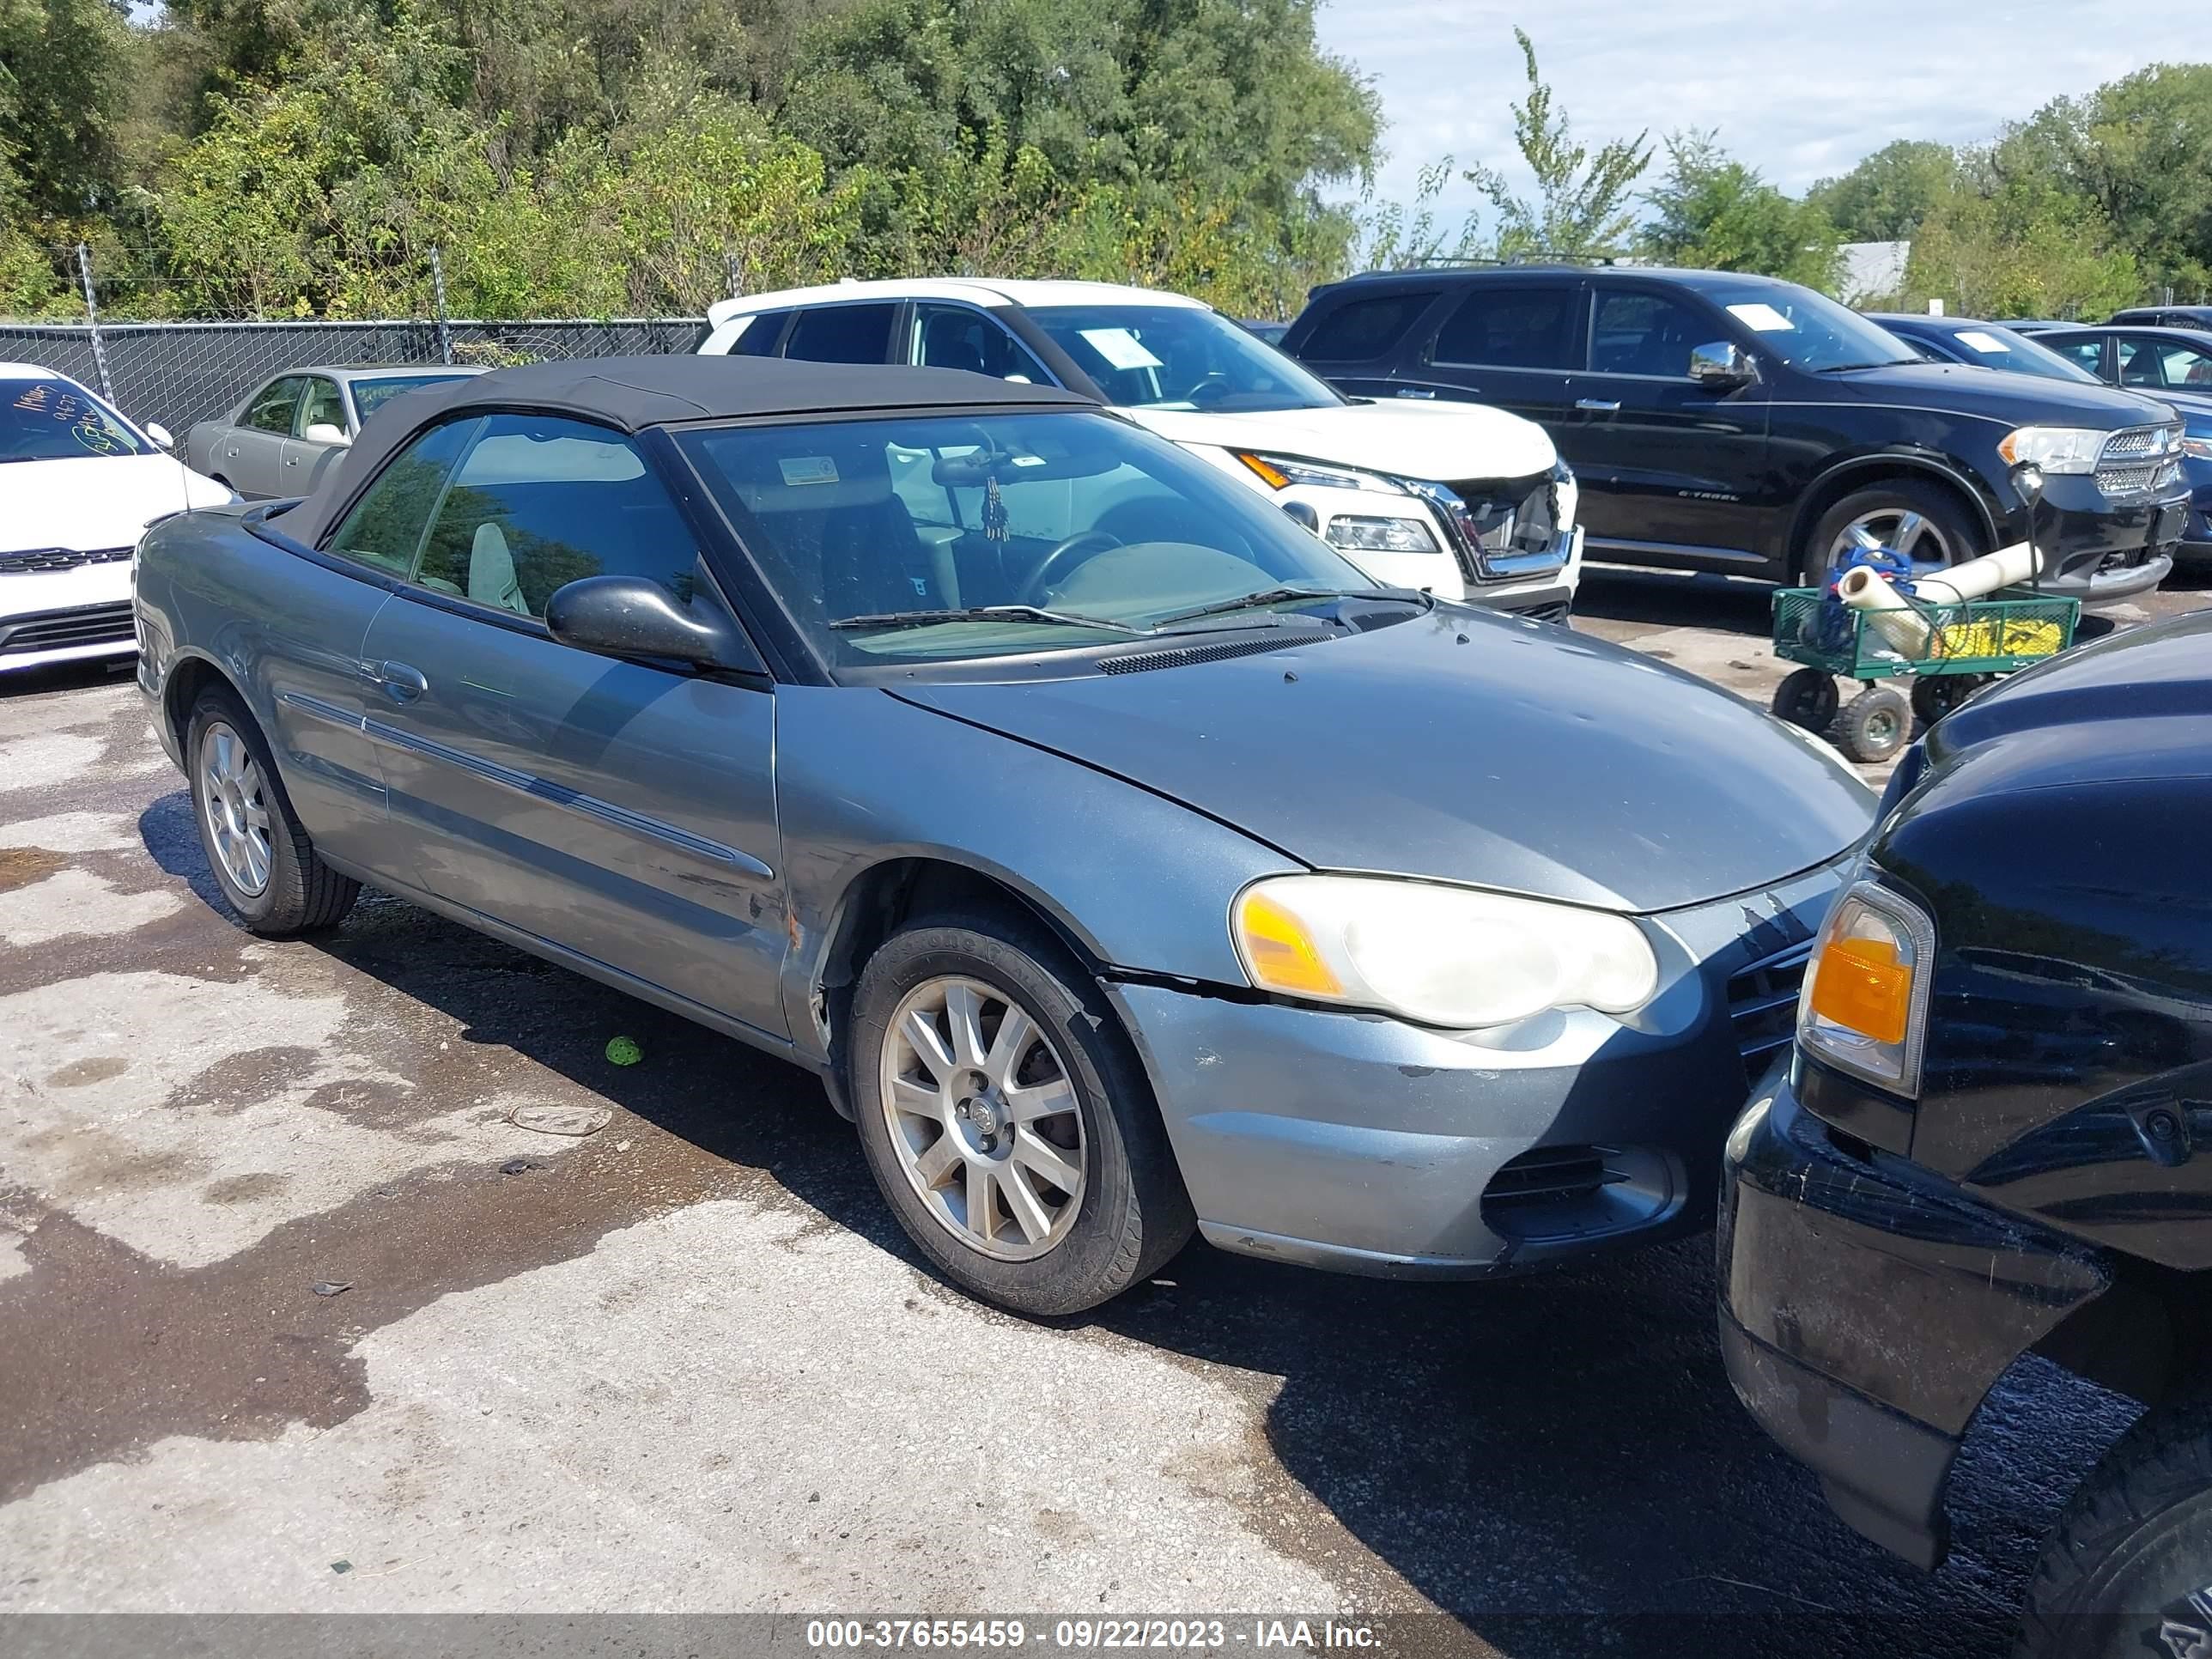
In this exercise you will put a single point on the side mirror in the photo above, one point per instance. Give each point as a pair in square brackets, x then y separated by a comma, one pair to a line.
[1722, 366]
[322, 432]
[631, 616]
[160, 434]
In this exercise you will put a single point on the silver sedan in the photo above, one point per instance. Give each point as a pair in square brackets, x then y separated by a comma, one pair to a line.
[281, 438]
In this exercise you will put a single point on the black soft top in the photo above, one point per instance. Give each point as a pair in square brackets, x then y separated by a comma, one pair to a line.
[632, 393]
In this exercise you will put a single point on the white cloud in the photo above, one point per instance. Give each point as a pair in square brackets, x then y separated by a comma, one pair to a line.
[1798, 91]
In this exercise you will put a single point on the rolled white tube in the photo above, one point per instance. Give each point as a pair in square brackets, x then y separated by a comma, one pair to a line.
[1889, 612]
[1977, 579]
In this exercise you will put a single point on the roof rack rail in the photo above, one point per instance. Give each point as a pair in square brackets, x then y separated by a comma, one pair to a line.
[1485, 262]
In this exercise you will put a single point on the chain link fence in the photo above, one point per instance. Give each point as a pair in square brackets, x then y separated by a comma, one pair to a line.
[122, 335]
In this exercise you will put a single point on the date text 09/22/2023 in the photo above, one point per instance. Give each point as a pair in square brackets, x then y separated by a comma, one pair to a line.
[1091, 1634]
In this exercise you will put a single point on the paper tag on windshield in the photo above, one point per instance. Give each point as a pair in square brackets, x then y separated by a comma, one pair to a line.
[1764, 318]
[1120, 348]
[808, 469]
[1988, 345]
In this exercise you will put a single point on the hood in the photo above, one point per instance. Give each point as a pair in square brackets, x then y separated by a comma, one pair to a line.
[98, 501]
[1528, 759]
[1441, 441]
[2130, 706]
[2015, 400]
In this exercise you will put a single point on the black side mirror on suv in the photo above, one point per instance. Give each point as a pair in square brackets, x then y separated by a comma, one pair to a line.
[1723, 366]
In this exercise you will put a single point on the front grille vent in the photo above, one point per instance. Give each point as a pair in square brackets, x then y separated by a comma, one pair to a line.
[91, 624]
[1550, 1174]
[60, 558]
[1136, 662]
[2137, 477]
[1763, 1005]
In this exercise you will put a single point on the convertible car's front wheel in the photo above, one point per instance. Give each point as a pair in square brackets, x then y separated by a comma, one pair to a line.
[1006, 1120]
[262, 858]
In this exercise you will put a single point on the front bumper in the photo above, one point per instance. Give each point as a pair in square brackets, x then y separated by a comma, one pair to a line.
[1360, 1143]
[2100, 551]
[1867, 1306]
[80, 633]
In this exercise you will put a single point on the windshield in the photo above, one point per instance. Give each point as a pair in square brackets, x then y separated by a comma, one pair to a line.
[1178, 358]
[369, 396]
[1990, 346]
[1808, 331]
[56, 421]
[872, 531]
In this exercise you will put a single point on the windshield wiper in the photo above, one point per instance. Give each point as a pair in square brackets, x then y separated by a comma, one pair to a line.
[983, 613]
[1284, 595]
[1887, 362]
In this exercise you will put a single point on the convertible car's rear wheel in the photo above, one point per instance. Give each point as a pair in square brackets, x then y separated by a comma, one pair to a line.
[1007, 1120]
[262, 858]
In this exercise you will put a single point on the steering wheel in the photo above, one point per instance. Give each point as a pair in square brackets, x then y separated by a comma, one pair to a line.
[1214, 378]
[1065, 555]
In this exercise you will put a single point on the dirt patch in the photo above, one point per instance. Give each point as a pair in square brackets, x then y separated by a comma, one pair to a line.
[83, 1073]
[21, 866]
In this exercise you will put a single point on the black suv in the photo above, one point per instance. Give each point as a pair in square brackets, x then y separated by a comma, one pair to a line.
[1722, 421]
[2197, 317]
[1994, 1137]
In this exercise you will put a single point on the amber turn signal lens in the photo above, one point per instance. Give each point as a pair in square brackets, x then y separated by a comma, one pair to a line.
[1862, 987]
[1281, 954]
[1274, 478]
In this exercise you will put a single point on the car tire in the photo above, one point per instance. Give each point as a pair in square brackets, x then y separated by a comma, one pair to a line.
[261, 859]
[2128, 1568]
[943, 1125]
[1947, 519]
[1808, 698]
[1875, 725]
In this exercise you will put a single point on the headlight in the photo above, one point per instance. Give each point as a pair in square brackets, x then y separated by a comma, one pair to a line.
[1281, 471]
[1361, 534]
[2198, 448]
[2054, 448]
[1864, 1008]
[1442, 955]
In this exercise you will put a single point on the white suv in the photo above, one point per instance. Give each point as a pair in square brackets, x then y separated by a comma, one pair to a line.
[1470, 502]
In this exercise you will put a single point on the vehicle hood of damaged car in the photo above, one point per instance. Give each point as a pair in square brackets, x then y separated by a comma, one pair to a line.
[1462, 747]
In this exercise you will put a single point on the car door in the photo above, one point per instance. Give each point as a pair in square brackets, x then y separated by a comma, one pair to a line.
[1669, 467]
[310, 623]
[306, 461]
[253, 455]
[1508, 344]
[622, 810]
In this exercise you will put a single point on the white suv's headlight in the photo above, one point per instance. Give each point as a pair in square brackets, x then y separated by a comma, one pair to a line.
[1442, 955]
[2054, 448]
[1864, 1008]
[1281, 471]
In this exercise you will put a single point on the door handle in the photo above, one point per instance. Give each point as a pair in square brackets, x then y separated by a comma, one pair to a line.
[1597, 405]
[291, 460]
[1414, 392]
[398, 680]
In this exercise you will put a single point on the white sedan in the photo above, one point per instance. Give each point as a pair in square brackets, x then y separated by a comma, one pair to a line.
[78, 486]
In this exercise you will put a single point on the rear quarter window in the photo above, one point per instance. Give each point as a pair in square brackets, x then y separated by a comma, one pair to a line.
[1360, 330]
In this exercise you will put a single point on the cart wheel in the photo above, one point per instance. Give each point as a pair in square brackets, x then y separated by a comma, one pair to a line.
[1934, 695]
[1875, 725]
[1807, 698]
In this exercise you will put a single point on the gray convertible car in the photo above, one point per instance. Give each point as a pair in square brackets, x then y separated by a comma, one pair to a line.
[1122, 860]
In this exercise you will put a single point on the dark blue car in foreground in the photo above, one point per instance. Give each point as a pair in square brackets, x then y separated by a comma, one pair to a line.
[1123, 860]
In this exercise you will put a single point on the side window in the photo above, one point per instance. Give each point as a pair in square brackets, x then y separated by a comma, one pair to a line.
[842, 334]
[537, 503]
[1360, 330]
[960, 337]
[761, 335]
[2186, 366]
[384, 528]
[1500, 327]
[273, 409]
[2089, 353]
[1637, 332]
[2139, 364]
[320, 405]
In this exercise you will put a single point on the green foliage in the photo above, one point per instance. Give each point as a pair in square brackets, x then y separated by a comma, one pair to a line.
[1713, 212]
[1885, 197]
[1583, 202]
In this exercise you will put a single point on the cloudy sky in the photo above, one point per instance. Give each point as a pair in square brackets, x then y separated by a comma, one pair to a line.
[1799, 88]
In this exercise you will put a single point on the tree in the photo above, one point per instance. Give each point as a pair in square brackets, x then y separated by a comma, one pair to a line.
[64, 75]
[1582, 205]
[2025, 246]
[1885, 197]
[1715, 213]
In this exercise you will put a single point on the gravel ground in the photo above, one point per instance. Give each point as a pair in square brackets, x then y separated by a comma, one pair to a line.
[688, 1364]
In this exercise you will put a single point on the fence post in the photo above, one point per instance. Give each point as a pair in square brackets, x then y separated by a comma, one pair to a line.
[438, 290]
[733, 275]
[92, 317]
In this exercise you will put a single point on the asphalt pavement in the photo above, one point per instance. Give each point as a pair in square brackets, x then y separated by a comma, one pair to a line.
[297, 1321]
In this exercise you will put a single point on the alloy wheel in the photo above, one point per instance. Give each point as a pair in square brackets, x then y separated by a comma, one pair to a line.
[235, 807]
[984, 1120]
[1897, 529]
